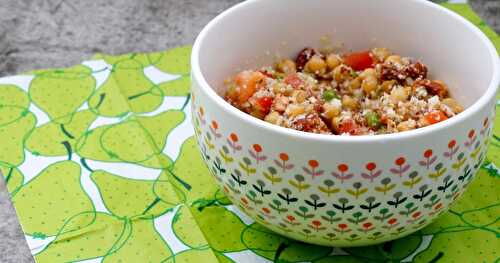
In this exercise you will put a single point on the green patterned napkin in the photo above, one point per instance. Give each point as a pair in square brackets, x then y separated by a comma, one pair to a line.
[102, 166]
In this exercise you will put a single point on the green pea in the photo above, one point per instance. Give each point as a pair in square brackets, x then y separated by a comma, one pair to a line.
[373, 120]
[329, 95]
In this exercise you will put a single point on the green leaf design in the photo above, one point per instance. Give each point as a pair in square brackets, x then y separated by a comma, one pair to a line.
[176, 61]
[264, 242]
[221, 228]
[61, 92]
[13, 133]
[187, 230]
[47, 139]
[13, 96]
[176, 87]
[159, 126]
[58, 197]
[79, 241]
[138, 246]
[13, 178]
[193, 255]
[126, 197]
[191, 175]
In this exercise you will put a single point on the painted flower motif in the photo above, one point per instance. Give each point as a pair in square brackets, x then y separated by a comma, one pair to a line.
[256, 153]
[367, 225]
[313, 163]
[233, 137]
[342, 226]
[282, 162]
[215, 125]
[316, 223]
[452, 144]
[266, 210]
[428, 153]
[311, 170]
[371, 166]
[290, 218]
[257, 148]
[343, 167]
[343, 175]
[400, 161]
[416, 214]
[392, 221]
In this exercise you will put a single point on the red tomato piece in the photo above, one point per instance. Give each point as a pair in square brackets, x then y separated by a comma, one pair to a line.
[248, 82]
[293, 80]
[267, 74]
[348, 126]
[265, 104]
[359, 60]
[435, 117]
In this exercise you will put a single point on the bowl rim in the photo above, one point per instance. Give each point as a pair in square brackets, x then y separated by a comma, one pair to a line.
[467, 113]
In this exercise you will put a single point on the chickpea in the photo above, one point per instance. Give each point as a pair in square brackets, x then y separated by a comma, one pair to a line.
[341, 73]
[369, 84]
[299, 95]
[406, 125]
[274, 118]
[399, 94]
[380, 53]
[349, 102]
[294, 110]
[316, 65]
[453, 105]
[286, 66]
[387, 85]
[332, 61]
[368, 73]
[332, 109]
[355, 83]
[394, 59]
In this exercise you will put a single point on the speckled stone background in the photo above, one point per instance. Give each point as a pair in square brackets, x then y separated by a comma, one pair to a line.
[58, 33]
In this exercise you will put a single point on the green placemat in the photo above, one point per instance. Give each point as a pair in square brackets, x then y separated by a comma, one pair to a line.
[101, 165]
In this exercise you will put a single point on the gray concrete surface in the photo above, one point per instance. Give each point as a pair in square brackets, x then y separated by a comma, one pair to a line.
[57, 33]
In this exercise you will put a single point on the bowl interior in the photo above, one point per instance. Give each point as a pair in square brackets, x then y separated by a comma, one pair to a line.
[254, 33]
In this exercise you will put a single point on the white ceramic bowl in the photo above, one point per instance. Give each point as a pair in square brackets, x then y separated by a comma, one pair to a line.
[343, 191]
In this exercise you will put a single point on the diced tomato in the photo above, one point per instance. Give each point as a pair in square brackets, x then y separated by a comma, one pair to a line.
[348, 126]
[435, 117]
[359, 60]
[267, 73]
[293, 80]
[265, 104]
[248, 82]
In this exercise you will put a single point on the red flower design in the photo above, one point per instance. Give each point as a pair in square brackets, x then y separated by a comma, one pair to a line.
[416, 214]
[343, 167]
[266, 210]
[367, 225]
[438, 206]
[257, 148]
[371, 166]
[290, 218]
[342, 226]
[400, 161]
[215, 125]
[428, 153]
[316, 223]
[313, 163]
[284, 157]
[392, 221]
[452, 144]
[471, 133]
[244, 200]
[233, 137]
